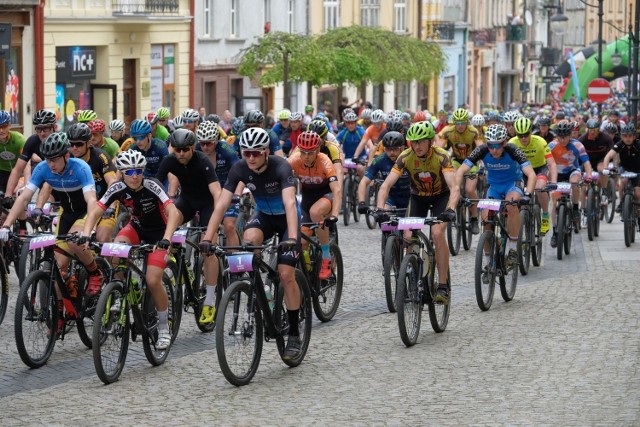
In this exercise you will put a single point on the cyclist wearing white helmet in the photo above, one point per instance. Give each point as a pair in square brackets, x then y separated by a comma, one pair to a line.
[371, 134]
[117, 131]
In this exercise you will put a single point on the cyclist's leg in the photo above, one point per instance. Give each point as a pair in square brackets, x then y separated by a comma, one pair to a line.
[542, 177]
[229, 225]
[156, 263]
[105, 227]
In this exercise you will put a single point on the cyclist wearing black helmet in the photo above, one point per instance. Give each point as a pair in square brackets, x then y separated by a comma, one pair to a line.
[628, 150]
[597, 144]
[544, 129]
[255, 119]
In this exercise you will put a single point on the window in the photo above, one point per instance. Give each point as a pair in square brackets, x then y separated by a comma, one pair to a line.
[290, 16]
[207, 18]
[401, 100]
[370, 13]
[233, 10]
[331, 14]
[400, 16]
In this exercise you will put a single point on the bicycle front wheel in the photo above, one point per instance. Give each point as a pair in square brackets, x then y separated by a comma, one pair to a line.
[391, 266]
[36, 319]
[110, 337]
[304, 320]
[326, 303]
[612, 195]
[485, 271]
[454, 234]
[149, 316]
[4, 294]
[524, 242]
[628, 219]
[438, 312]
[409, 300]
[537, 238]
[465, 227]
[239, 334]
[561, 230]
[371, 202]
[591, 214]
[346, 200]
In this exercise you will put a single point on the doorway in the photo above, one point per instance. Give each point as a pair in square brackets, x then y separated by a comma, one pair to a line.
[129, 90]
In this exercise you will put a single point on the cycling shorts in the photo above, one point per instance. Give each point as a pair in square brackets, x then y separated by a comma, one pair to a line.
[542, 172]
[565, 177]
[188, 208]
[425, 206]
[232, 212]
[400, 203]
[275, 224]
[309, 201]
[499, 192]
[135, 236]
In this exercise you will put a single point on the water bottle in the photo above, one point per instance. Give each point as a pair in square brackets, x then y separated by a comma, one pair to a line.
[307, 259]
[267, 291]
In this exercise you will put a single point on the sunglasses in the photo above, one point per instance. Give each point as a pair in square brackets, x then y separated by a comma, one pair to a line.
[350, 123]
[253, 153]
[77, 144]
[132, 172]
[44, 128]
[182, 149]
[139, 138]
[460, 123]
[494, 146]
[523, 135]
[307, 153]
[5, 126]
[188, 121]
[205, 143]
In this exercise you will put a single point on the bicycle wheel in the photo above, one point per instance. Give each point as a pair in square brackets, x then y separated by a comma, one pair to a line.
[346, 200]
[304, 320]
[36, 319]
[391, 266]
[110, 337]
[465, 227]
[29, 260]
[408, 300]
[86, 314]
[561, 230]
[454, 234]
[485, 272]
[610, 208]
[598, 214]
[150, 323]
[371, 202]
[438, 312]
[524, 242]
[354, 199]
[4, 292]
[568, 235]
[591, 214]
[628, 218]
[509, 277]
[239, 334]
[536, 236]
[326, 303]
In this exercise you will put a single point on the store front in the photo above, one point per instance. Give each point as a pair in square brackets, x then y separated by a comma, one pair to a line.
[75, 69]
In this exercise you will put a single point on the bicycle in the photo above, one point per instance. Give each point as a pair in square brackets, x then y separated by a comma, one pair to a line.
[530, 251]
[4, 278]
[113, 325]
[245, 312]
[609, 210]
[564, 219]
[350, 193]
[629, 211]
[392, 253]
[460, 230]
[325, 294]
[36, 315]
[593, 211]
[372, 193]
[490, 260]
[418, 282]
[28, 259]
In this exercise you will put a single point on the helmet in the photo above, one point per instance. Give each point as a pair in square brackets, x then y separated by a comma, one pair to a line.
[511, 116]
[55, 145]
[366, 113]
[628, 129]
[182, 138]
[208, 131]
[544, 121]
[496, 133]
[140, 128]
[319, 127]
[296, 117]
[393, 139]
[395, 126]
[347, 111]
[593, 124]
[44, 117]
[421, 130]
[522, 125]
[116, 125]
[86, 116]
[610, 128]
[394, 115]
[308, 140]
[574, 125]
[79, 132]
[378, 116]
[477, 120]
[96, 126]
[254, 117]
[308, 108]
[163, 113]
[564, 128]
[254, 139]
[177, 123]
[350, 117]
[152, 118]
[419, 116]
[213, 118]
[130, 159]
[560, 115]
[284, 114]
[493, 117]
[190, 114]
[405, 116]
[460, 115]
[4, 118]
[320, 116]
[238, 125]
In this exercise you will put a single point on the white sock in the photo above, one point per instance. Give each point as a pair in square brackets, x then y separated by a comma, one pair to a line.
[210, 298]
[511, 244]
[163, 320]
[487, 259]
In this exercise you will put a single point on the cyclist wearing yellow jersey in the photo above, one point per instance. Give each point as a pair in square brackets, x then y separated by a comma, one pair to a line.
[462, 139]
[539, 155]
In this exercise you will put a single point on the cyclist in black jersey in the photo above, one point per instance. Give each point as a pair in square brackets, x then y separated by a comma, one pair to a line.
[271, 181]
[597, 144]
[154, 218]
[200, 190]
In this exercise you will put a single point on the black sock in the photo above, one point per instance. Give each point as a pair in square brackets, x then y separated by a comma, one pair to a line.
[575, 206]
[293, 322]
[22, 224]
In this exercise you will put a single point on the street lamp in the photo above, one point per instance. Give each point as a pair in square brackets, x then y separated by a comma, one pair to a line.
[558, 22]
[616, 58]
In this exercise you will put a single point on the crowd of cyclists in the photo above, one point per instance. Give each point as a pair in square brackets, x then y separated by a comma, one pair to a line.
[167, 171]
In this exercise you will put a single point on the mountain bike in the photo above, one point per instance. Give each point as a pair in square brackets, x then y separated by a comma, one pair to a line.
[564, 219]
[593, 211]
[29, 259]
[350, 192]
[491, 259]
[4, 279]
[418, 282]
[120, 297]
[460, 230]
[609, 194]
[629, 211]
[325, 294]
[245, 313]
[37, 311]
[530, 236]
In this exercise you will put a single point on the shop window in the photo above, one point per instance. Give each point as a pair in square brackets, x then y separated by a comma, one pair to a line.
[162, 76]
[11, 100]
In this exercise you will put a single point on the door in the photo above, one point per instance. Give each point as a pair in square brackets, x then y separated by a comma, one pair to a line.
[129, 90]
[104, 101]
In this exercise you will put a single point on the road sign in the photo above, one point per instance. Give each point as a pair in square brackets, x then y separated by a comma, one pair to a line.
[599, 90]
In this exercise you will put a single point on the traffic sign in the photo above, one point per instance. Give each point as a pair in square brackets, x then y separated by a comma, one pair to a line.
[599, 90]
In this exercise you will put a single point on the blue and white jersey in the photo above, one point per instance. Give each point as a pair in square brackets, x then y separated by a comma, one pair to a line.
[155, 154]
[503, 170]
[349, 140]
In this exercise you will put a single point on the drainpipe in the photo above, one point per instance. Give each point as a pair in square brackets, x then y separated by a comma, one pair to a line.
[38, 30]
[192, 54]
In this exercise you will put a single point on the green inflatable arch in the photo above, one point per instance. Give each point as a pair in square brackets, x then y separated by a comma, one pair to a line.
[589, 69]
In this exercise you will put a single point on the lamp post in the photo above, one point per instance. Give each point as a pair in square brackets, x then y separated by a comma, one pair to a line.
[555, 25]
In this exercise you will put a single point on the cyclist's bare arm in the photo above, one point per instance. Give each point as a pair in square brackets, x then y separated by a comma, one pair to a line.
[383, 192]
[44, 194]
[362, 188]
[14, 177]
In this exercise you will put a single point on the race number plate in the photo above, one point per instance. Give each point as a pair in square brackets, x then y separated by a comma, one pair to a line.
[42, 241]
[349, 165]
[46, 209]
[564, 187]
[240, 263]
[628, 175]
[388, 227]
[410, 223]
[179, 236]
[491, 204]
[120, 250]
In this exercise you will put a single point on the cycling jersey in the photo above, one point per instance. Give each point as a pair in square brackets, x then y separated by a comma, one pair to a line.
[332, 150]
[194, 177]
[461, 144]
[372, 133]
[110, 147]
[266, 187]
[290, 138]
[10, 151]
[596, 148]
[225, 158]
[426, 174]
[629, 155]
[161, 133]
[157, 151]
[380, 167]
[350, 140]
[279, 130]
[100, 165]
[504, 170]
[537, 150]
[31, 147]
[550, 136]
[69, 187]
[569, 157]
[315, 179]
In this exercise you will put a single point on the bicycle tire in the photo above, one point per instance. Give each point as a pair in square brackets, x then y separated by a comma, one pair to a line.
[509, 279]
[465, 228]
[598, 214]
[239, 326]
[4, 292]
[304, 320]
[29, 261]
[36, 312]
[484, 291]
[354, 200]
[438, 312]
[86, 314]
[175, 309]
[538, 240]
[391, 266]
[150, 324]
[371, 203]
[346, 200]
[110, 335]
[568, 235]
[591, 214]
[562, 219]
[612, 196]
[627, 219]
[524, 243]
[327, 300]
[454, 234]
[408, 300]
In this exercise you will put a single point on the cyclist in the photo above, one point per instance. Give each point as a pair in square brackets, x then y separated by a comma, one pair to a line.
[321, 192]
[349, 138]
[289, 137]
[283, 123]
[544, 129]
[535, 149]
[432, 187]
[163, 117]
[597, 144]
[462, 139]
[371, 134]
[365, 118]
[569, 154]
[628, 150]
[157, 130]
[255, 119]
[331, 149]
[154, 218]
[11, 143]
[85, 116]
[271, 181]
[117, 131]
[613, 118]
[190, 119]
[477, 122]
[509, 120]
[505, 165]
[98, 140]
[151, 148]
[308, 115]
[442, 121]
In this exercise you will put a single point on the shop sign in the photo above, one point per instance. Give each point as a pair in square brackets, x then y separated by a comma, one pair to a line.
[75, 63]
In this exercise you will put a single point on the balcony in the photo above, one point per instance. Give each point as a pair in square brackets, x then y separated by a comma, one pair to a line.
[483, 36]
[145, 7]
[516, 33]
[440, 31]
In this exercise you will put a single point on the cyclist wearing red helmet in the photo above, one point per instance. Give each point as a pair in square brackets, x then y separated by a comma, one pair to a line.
[98, 139]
